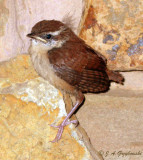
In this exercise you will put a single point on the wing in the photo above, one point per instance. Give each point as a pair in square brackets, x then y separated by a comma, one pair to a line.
[82, 67]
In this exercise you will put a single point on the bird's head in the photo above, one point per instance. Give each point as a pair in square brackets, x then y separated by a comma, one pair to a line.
[50, 33]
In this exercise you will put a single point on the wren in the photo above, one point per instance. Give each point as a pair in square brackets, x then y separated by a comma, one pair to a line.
[68, 63]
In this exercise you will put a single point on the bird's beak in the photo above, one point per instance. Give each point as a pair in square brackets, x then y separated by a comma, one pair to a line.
[32, 35]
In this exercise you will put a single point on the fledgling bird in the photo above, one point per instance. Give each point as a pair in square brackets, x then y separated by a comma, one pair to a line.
[68, 63]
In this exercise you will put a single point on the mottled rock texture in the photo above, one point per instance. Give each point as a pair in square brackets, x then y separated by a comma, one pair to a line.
[28, 105]
[115, 28]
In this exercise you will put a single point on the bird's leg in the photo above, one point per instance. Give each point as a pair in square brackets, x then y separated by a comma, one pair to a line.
[79, 100]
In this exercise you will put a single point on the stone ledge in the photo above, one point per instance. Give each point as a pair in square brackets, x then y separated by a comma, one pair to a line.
[28, 104]
[113, 121]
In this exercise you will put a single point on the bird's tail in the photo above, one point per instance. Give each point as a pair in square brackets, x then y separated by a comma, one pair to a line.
[115, 76]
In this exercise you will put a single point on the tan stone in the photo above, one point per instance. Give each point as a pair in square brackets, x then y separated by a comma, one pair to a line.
[113, 122]
[133, 81]
[28, 105]
[115, 28]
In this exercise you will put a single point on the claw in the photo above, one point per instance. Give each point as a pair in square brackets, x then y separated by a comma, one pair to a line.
[59, 134]
[54, 126]
[69, 122]
[61, 128]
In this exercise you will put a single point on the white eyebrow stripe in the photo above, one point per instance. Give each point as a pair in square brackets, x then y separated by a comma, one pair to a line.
[57, 32]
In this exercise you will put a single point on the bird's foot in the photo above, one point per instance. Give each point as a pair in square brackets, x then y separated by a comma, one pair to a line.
[61, 129]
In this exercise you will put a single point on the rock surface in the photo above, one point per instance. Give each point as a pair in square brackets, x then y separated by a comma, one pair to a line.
[115, 28]
[28, 105]
[113, 121]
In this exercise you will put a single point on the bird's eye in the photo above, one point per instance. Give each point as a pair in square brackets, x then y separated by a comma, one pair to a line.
[48, 36]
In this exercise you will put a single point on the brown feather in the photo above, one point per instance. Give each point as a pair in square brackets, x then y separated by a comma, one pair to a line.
[81, 67]
[43, 26]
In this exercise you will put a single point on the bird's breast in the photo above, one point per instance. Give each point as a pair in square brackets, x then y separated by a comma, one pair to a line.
[43, 67]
